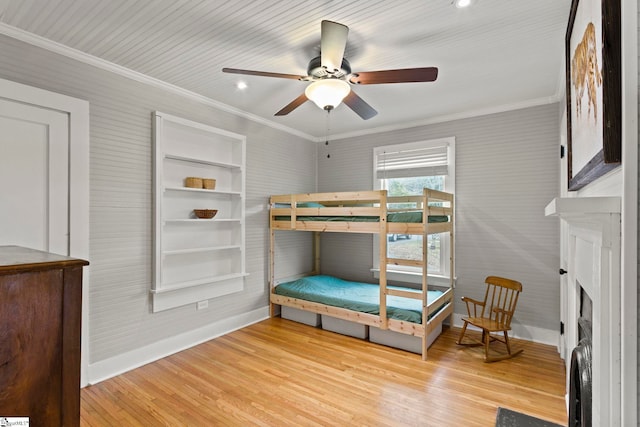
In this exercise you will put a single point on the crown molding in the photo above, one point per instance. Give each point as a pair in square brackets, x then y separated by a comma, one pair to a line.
[52, 46]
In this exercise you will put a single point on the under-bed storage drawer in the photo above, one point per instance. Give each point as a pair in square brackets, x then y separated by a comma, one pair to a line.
[345, 327]
[300, 316]
[402, 341]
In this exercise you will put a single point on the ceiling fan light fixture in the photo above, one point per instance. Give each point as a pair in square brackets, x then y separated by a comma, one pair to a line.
[327, 93]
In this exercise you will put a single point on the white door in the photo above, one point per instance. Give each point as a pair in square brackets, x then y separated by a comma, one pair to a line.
[34, 177]
[56, 130]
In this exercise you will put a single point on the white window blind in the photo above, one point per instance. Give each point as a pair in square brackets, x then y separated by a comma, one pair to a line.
[408, 162]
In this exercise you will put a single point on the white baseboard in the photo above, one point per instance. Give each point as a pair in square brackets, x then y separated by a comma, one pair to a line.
[525, 332]
[122, 363]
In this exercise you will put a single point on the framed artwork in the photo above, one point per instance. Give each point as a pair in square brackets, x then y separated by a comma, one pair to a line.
[593, 90]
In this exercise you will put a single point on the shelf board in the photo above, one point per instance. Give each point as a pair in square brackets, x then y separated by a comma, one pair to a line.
[199, 250]
[201, 161]
[201, 190]
[198, 282]
[200, 220]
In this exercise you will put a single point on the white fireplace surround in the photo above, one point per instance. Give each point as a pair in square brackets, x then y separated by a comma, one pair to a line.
[590, 246]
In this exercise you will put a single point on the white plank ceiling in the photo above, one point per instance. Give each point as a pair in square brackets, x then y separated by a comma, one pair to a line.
[497, 54]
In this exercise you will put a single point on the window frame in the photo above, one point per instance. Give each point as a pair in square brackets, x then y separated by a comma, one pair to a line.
[414, 274]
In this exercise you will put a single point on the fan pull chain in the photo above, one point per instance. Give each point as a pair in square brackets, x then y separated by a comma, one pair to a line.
[384, 169]
[326, 139]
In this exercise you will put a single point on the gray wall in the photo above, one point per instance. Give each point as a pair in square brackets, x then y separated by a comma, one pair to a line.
[507, 171]
[121, 195]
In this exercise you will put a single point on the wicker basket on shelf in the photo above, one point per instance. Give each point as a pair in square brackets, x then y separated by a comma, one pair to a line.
[205, 213]
[193, 182]
[209, 183]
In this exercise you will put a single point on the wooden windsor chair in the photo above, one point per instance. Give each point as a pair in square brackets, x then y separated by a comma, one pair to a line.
[493, 315]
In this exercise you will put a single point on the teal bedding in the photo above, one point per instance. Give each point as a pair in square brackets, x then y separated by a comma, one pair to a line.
[356, 296]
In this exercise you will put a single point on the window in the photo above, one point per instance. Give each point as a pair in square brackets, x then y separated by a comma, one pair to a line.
[405, 169]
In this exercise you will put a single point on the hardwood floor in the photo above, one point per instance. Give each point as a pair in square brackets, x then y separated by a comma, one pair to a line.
[282, 373]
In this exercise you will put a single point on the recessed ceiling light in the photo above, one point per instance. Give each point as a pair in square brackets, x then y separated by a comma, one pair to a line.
[241, 85]
[462, 3]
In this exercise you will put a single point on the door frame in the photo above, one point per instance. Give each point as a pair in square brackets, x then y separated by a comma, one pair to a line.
[78, 112]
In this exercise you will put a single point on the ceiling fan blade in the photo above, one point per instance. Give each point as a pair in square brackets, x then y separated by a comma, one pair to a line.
[406, 75]
[333, 41]
[263, 74]
[358, 105]
[292, 105]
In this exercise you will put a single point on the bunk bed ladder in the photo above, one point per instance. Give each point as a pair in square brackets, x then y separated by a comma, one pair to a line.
[452, 283]
[316, 253]
[425, 263]
[384, 229]
[272, 259]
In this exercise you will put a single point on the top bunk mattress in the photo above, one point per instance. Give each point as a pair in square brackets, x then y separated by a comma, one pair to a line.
[356, 296]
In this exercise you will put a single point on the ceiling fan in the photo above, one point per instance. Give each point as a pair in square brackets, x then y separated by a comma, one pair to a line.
[331, 76]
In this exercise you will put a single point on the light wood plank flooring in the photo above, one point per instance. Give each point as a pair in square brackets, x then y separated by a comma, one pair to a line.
[282, 373]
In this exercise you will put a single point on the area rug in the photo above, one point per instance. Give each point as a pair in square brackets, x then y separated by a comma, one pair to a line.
[509, 418]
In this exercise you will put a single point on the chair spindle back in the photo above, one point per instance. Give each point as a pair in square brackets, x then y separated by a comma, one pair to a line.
[501, 299]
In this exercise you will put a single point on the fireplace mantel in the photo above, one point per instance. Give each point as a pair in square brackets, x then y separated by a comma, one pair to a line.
[590, 255]
[577, 207]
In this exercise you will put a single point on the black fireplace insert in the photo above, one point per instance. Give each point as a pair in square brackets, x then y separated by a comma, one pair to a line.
[580, 380]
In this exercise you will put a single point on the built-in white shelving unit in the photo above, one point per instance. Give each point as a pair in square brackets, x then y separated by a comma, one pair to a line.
[197, 259]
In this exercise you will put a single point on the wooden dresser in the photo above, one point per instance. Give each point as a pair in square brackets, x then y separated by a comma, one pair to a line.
[40, 319]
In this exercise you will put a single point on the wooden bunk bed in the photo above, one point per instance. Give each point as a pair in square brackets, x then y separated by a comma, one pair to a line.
[370, 212]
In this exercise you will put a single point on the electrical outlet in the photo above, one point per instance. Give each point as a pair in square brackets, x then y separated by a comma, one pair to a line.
[201, 305]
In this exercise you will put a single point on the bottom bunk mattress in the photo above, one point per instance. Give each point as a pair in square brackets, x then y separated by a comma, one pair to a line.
[356, 296]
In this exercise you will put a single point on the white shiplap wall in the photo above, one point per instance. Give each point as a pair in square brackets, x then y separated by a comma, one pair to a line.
[121, 197]
[507, 170]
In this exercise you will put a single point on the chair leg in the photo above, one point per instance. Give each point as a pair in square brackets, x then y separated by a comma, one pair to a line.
[471, 343]
[509, 355]
[486, 338]
[506, 341]
[462, 332]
